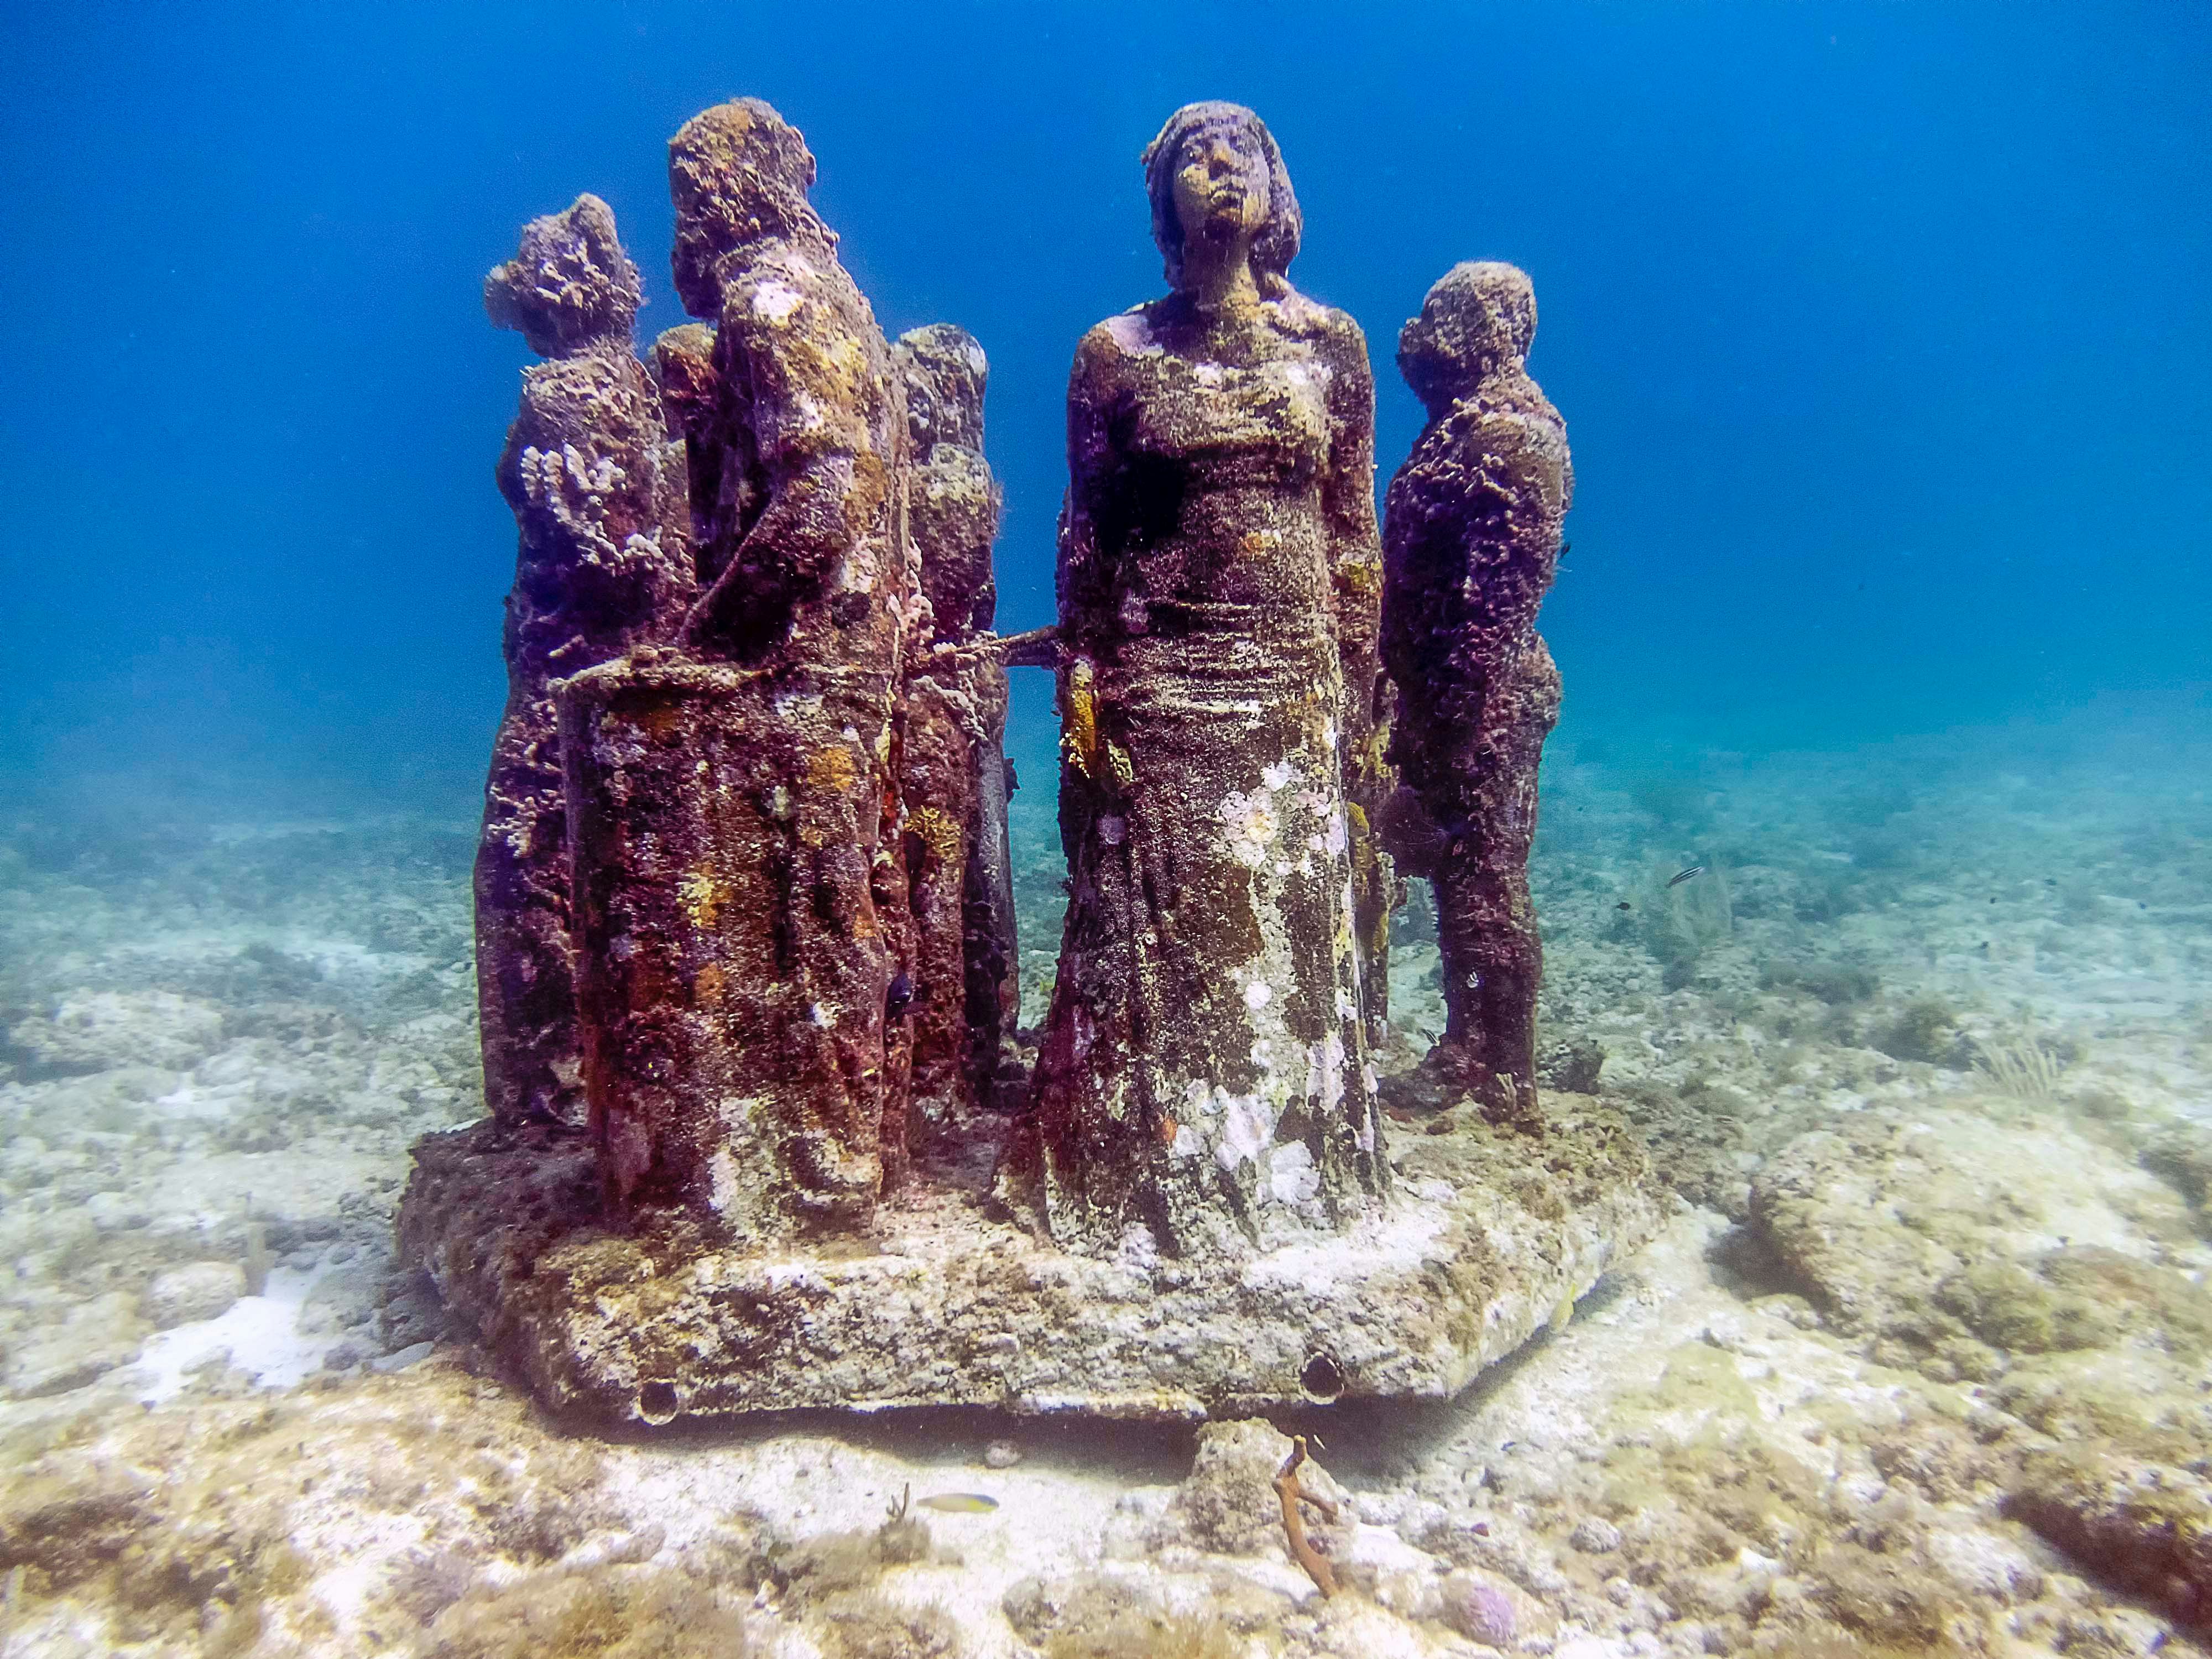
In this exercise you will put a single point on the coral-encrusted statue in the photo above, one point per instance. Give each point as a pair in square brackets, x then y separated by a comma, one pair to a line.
[952, 777]
[605, 560]
[1203, 1070]
[1472, 527]
[741, 904]
[782, 759]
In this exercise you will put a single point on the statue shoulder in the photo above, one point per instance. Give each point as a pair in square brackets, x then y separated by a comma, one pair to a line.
[1104, 355]
[1332, 330]
[1130, 333]
[1336, 341]
[783, 291]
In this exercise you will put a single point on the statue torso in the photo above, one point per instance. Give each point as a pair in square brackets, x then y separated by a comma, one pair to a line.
[1206, 492]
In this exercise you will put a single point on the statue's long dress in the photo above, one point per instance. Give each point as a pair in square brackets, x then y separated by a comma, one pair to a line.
[1203, 1069]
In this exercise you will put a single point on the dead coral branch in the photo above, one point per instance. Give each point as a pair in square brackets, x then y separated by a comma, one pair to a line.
[1294, 1526]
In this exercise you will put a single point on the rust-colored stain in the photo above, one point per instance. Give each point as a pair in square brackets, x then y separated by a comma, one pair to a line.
[939, 833]
[707, 987]
[1078, 715]
[658, 721]
[832, 768]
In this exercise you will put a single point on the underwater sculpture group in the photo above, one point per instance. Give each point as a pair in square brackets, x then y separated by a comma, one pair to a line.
[763, 1132]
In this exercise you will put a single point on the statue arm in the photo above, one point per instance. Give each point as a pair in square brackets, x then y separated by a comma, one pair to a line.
[1093, 462]
[814, 455]
[1355, 557]
[1355, 538]
[1083, 581]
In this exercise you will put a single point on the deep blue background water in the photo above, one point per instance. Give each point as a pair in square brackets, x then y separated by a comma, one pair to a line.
[1884, 333]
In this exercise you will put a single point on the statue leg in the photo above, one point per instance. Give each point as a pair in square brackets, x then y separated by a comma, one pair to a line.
[526, 961]
[1493, 955]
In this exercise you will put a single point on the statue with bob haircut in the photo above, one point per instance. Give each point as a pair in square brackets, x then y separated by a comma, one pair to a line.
[1203, 1070]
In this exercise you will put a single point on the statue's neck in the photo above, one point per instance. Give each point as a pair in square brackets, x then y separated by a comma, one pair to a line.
[1218, 280]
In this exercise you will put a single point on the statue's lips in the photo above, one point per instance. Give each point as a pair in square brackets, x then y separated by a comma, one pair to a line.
[1225, 208]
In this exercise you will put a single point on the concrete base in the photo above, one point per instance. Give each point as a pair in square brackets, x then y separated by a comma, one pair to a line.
[1487, 1238]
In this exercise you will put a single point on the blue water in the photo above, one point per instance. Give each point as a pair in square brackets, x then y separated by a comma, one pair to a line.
[1884, 333]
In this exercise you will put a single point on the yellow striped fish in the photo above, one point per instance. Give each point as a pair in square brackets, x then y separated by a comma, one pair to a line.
[959, 1503]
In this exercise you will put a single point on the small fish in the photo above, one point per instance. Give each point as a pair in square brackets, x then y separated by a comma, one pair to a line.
[958, 1502]
[1682, 876]
[1623, 905]
[901, 994]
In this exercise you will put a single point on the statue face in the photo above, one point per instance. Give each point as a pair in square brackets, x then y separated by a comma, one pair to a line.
[1221, 184]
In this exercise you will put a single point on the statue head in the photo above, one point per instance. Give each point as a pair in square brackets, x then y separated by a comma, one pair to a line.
[1477, 321]
[569, 285]
[739, 173]
[946, 371]
[1216, 164]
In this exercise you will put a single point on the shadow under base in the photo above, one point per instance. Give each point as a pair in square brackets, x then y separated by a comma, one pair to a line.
[1487, 1237]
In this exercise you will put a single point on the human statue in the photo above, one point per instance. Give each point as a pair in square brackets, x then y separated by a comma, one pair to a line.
[767, 1133]
[603, 561]
[1203, 1069]
[1472, 536]
[953, 761]
[742, 904]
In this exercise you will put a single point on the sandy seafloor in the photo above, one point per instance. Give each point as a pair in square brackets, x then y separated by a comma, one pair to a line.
[1931, 1090]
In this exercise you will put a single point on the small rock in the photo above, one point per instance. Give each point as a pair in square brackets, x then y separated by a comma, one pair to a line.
[1983, 1564]
[193, 1292]
[1002, 1454]
[1227, 1504]
[414, 1354]
[90, 1340]
[1594, 1535]
[1571, 1064]
[115, 1213]
[343, 1357]
[616, 1549]
[2113, 1631]
[340, 1301]
[1482, 1612]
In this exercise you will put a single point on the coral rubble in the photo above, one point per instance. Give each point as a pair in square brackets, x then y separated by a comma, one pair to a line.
[1472, 528]
[1918, 1369]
